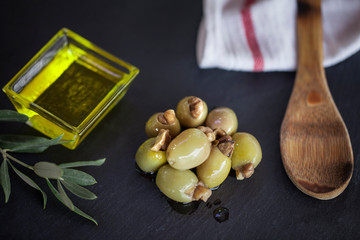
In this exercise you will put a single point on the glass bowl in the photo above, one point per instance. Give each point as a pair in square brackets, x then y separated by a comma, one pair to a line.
[69, 86]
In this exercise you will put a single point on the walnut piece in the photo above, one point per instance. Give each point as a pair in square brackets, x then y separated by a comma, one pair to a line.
[208, 132]
[196, 106]
[245, 171]
[168, 117]
[225, 138]
[226, 147]
[162, 140]
[219, 133]
[201, 192]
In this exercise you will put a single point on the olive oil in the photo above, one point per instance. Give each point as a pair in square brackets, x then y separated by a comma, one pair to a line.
[221, 214]
[75, 93]
[69, 86]
[184, 208]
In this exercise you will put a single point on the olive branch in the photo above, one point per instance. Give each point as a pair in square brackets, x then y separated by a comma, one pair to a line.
[72, 180]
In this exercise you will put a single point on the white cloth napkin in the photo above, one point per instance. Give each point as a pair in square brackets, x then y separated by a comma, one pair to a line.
[260, 35]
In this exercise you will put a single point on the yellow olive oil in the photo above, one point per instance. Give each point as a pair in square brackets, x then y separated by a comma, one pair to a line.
[69, 86]
[75, 93]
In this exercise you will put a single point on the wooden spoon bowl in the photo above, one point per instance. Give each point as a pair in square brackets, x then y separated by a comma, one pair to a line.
[315, 144]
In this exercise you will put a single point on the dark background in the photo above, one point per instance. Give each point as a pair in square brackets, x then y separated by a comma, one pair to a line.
[159, 37]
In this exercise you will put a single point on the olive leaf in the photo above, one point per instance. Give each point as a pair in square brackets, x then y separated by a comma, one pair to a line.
[31, 144]
[98, 162]
[79, 191]
[5, 180]
[48, 170]
[65, 199]
[12, 116]
[78, 177]
[30, 182]
[76, 210]
[12, 141]
[81, 213]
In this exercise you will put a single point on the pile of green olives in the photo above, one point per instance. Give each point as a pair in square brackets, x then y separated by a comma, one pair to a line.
[192, 152]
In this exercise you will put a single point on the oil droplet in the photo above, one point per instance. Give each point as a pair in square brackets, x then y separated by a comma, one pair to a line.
[221, 214]
[184, 208]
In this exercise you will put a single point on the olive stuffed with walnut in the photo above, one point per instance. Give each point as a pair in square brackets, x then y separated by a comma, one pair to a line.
[215, 169]
[191, 111]
[151, 155]
[224, 118]
[246, 156]
[192, 162]
[181, 185]
[163, 120]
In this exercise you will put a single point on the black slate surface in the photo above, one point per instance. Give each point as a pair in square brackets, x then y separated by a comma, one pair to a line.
[159, 37]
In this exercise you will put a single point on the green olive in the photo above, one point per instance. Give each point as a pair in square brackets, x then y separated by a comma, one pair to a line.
[180, 186]
[189, 149]
[163, 120]
[223, 118]
[246, 156]
[191, 111]
[215, 169]
[148, 160]
[175, 184]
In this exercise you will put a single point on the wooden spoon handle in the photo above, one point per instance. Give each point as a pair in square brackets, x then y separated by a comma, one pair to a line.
[309, 30]
[311, 79]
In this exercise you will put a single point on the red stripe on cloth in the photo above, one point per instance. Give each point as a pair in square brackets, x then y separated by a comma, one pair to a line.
[251, 37]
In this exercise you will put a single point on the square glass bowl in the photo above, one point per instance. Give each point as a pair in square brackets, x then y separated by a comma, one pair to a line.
[69, 86]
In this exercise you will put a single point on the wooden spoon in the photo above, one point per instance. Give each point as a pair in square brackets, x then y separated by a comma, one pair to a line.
[315, 144]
